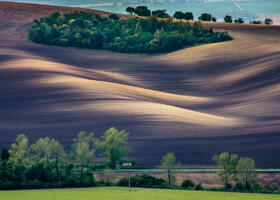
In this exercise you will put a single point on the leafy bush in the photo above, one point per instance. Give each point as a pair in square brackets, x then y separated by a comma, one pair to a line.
[198, 187]
[114, 17]
[143, 180]
[256, 186]
[228, 186]
[123, 182]
[256, 22]
[89, 30]
[238, 186]
[274, 187]
[187, 184]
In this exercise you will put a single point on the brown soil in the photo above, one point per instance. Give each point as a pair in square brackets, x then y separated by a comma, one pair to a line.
[208, 179]
[195, 102]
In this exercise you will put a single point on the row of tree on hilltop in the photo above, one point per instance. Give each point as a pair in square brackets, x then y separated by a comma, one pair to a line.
[144, 11]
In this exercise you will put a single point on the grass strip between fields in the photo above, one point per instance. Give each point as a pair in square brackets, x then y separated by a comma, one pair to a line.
[123, 193]
[179, 170]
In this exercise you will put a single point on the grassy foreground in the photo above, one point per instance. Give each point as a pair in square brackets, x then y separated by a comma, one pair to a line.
[114, 193]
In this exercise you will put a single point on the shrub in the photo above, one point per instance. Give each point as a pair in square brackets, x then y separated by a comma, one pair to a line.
[205, 17]
[123, 182]
[114, 17]
[238, 186]
[187, 184]
[248, 186]
[198, 187]
[274, 187]
[239, 21]
[228, 186]
[143, 180]
[256, 22]
[268, 21]
[228, 19]
[256, 186]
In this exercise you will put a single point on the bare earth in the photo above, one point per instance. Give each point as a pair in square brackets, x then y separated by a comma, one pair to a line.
[208, 179]
[195, 102]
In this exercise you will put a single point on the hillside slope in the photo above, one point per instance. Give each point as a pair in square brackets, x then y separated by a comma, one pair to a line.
[195, 102]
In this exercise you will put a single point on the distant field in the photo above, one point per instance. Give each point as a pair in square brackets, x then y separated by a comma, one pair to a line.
[108, 193]
[248, 10]
[183, 170]
[196, 102]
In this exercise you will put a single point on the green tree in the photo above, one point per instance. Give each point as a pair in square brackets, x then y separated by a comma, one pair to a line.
[42, 155]
[83, 150]
[226, 167]
[59, 156]
[246, 172]
[205, 17]
[114, 17]
[142, 11]
[179, 15]
[113, 145]
[169, 164]
[3, 163]
[213, 19]
[108, 175]
[228, 19]
[130, 10]
[256, 22]
[160, 13]
[19, 159]
[268, 21]
[239, 21]
[188, 15]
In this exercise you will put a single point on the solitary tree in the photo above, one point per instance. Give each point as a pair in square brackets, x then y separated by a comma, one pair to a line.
[239, 21]
[227, 167]
[268, 21]
[188, 16]
[130, 10]
[205, 17]
[179, 15]
[169, 165]
[84, 150]
[213, 19]
[160, 13]
[228, 19]
[142, 11]
[108, 175]
[246, 172]
[256, 22]
[113, 145]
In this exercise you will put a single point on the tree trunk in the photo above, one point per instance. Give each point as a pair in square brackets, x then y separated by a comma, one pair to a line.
[57, 169]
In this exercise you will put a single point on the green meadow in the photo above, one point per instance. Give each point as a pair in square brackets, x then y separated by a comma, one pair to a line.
[121, 193]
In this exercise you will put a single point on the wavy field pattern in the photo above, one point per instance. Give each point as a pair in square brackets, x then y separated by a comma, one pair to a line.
[195, 102]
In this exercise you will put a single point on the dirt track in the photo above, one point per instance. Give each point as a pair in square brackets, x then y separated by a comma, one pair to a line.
[195, 102]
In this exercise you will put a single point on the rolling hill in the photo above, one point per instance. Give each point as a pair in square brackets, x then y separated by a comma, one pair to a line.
[195, 102]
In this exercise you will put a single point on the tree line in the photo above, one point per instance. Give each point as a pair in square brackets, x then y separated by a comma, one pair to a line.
[46, 164]
[90, 30]
[144, 11]
[235, 174]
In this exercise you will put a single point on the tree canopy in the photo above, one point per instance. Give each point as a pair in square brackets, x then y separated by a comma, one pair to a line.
[113, 145]
[151, 35]
[227, 167]
[169, 164]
